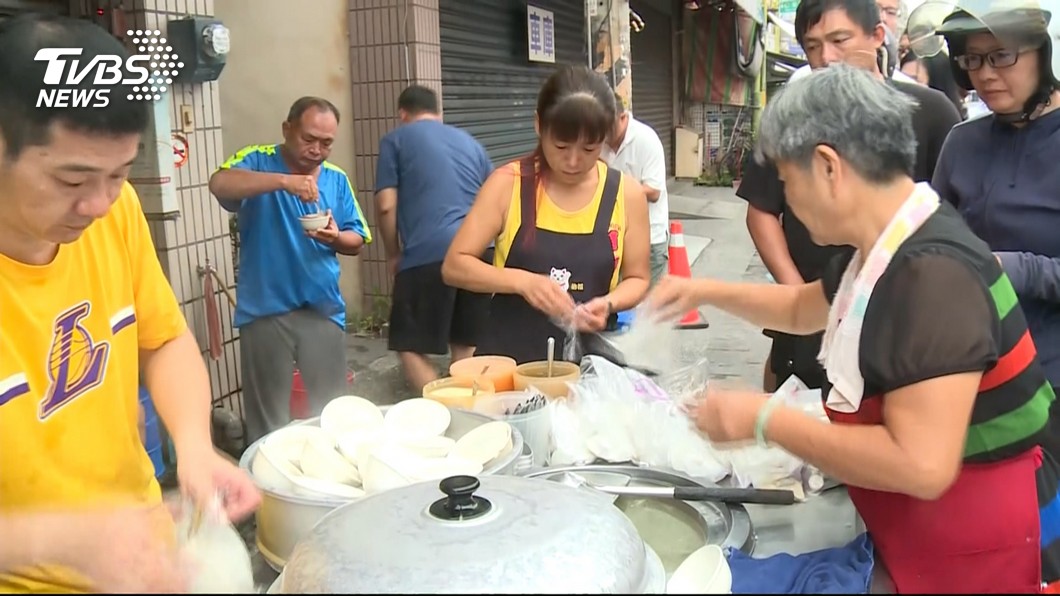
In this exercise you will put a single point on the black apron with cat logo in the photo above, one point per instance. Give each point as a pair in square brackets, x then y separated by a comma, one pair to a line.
[518, 330]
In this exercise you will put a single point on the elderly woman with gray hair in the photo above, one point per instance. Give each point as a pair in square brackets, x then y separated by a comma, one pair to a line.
[937, 402]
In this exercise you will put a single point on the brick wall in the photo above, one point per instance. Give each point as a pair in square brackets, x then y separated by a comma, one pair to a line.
[201, 230]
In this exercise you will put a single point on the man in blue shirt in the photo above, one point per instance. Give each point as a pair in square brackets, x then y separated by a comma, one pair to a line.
[289, 310]
[426, 180]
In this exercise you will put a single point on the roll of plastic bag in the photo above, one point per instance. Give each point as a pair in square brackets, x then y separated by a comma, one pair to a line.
[215, 554]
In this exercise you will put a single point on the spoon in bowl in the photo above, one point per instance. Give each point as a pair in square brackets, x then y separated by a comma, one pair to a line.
[551, 355]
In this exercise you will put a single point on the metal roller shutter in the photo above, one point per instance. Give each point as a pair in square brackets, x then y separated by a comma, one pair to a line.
[651, 52]
[489, 87]
[10, 8]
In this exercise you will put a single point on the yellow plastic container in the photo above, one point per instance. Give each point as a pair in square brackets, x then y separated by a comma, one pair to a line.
[458, 392]
[499, 370]
[535, 374]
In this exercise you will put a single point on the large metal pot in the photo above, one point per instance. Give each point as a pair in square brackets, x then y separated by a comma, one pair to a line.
[466, 535]
[676, 527]
[285, 517]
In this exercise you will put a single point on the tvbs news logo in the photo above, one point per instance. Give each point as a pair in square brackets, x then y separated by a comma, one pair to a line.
[142, 77]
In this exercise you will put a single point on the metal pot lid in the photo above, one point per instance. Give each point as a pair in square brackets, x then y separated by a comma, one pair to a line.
[497, 534]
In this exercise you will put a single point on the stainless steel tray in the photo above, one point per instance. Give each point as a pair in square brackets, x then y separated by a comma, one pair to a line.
[727, 525]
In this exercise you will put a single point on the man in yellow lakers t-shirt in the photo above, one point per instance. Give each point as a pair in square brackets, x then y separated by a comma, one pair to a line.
[84, 311]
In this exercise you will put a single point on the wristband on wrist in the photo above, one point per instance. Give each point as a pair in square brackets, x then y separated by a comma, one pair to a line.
[762, 420]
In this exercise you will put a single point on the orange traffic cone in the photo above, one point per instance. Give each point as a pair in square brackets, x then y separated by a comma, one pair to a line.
[680, 267]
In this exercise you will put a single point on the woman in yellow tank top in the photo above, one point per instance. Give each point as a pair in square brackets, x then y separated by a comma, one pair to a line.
[571, 234]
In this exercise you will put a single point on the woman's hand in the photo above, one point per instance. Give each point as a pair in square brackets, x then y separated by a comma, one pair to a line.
[727, 416]
[591, 317]
[547, 296]
[673, 297]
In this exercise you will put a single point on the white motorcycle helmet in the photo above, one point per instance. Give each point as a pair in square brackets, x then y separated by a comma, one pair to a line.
[1026, 23]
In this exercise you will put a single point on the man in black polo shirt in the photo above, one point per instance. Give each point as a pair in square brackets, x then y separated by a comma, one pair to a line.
[829, 31]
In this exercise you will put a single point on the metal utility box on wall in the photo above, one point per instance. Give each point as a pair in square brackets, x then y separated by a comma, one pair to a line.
[153, 171]
[688, 158]
[202, 44]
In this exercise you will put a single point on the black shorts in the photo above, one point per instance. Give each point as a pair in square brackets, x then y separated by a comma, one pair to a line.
[797, 355]
[426, 316]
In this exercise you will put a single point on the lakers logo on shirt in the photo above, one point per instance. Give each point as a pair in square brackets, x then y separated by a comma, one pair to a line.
[76, 364]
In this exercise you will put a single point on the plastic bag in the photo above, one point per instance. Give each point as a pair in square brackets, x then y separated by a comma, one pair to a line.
[568, 440]
[649, 344]
[216, 554]
[684, 385]
[603, 399]
[794, 393]
[773, 467]
[624, 416]
[578, 345]
[572, 349]
[691, 453]
[654, 423]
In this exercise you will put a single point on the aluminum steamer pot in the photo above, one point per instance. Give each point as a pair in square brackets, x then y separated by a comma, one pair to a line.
[489, 535]
[285, 517]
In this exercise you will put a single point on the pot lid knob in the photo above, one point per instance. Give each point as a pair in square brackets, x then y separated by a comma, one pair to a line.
[460, 502]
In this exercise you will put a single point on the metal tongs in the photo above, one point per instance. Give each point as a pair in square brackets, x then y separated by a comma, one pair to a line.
[619, 486]
[601, 345]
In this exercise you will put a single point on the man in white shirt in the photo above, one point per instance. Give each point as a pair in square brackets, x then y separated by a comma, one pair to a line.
[635, 149]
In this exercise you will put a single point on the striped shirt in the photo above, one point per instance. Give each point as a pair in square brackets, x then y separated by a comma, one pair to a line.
[943, 307]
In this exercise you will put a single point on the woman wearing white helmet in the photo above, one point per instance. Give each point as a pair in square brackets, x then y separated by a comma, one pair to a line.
[999, 170]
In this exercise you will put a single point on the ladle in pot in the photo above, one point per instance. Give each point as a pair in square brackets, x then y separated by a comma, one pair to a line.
[551, 355]
[757, 496]
[576, 480]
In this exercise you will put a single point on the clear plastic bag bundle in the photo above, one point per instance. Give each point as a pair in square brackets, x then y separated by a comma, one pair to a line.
[618, 414]
[624, 415]
[650, 344]
[684, 385]
[773, 467]
[216, 556]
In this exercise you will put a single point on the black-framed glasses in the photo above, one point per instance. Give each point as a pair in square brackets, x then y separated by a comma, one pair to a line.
[1000, 58]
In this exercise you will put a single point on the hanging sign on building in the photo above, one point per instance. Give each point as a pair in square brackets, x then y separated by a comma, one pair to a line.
[541, 32]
